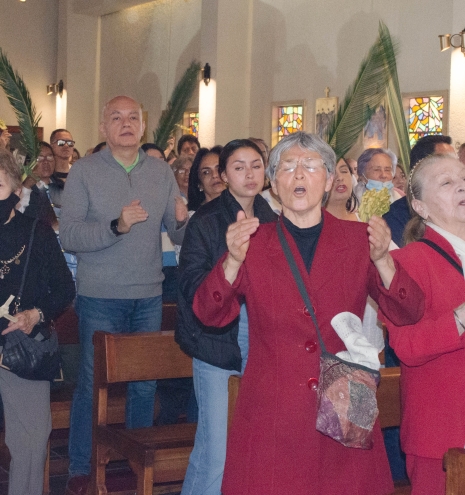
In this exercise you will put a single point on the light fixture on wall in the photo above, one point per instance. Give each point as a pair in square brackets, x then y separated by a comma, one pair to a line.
[206, 72]
[454, 40]
[55, 88]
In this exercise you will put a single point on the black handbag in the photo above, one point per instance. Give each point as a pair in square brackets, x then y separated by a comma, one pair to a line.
[32, 358]
[347, 406]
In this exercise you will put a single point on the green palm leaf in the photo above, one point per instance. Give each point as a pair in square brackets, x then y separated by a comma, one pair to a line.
[20, 99]
[362, 97]
[394, 99]
[177, 105]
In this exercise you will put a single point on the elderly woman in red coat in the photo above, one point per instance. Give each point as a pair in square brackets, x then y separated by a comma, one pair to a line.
[432, 351]
[273, 445]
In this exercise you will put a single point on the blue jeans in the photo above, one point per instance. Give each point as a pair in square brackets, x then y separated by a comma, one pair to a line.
[114, 316]
[206, 464]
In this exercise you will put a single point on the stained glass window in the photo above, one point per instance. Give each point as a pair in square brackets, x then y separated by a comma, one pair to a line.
[425, 117]
[194, 123]
[290, 119]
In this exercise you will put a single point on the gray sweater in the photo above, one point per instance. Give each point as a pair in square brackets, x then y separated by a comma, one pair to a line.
[128, 266]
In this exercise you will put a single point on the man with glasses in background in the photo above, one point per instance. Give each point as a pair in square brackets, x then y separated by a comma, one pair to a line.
[62, 144]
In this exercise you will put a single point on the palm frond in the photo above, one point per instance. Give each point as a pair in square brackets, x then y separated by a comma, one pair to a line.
[394, 98]
[20, 99]
[177, 105]
[362, 98]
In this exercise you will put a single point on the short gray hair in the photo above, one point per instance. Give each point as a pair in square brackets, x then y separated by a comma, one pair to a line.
[368, 154]
[180, 162]
[306, 141]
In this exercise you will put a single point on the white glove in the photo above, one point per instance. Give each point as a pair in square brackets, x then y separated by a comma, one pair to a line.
[359, 351]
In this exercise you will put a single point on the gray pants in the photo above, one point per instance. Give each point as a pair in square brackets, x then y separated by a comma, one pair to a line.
[28, 424]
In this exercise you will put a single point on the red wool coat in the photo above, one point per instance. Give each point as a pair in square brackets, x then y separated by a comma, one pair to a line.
[273, 446]
[432, 354]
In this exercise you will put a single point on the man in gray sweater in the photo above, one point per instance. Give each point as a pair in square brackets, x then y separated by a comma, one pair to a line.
[114, 204]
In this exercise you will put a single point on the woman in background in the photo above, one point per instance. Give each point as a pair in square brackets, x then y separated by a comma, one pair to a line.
[216, 357]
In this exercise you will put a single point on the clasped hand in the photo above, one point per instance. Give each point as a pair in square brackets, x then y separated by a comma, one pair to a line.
[25, 321]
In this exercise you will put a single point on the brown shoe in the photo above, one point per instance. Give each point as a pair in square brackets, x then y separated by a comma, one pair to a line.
[77, 485]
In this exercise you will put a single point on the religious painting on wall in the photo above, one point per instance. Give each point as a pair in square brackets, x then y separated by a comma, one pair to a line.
[375, 133]
[326, 109]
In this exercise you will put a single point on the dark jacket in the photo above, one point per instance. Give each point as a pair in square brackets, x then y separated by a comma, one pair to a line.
[397, 218]
[48, 285]
[39, 206]
[204, 243]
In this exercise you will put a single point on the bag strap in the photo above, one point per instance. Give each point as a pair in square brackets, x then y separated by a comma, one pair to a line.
[441, 251]
[28, 255]
[299, 281]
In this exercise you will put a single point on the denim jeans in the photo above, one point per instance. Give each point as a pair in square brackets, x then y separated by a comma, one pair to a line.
[115, 316]
[206, 464]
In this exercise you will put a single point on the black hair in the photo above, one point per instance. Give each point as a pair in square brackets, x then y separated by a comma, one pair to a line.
[352, 202]
[195, 195]
[425, 146]
[187, 138]
[46, 145]
[153, 146]
[99, 147]
[56, 131]
[233, 146]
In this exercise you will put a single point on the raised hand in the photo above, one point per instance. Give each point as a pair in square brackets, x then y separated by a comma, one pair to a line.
[379, 237]
[180, 210]
[130, 215]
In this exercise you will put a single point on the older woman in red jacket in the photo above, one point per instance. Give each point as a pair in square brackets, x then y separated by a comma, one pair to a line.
[273, 445]
[432, 351]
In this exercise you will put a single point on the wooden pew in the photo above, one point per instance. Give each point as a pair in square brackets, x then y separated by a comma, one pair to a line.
[60, 399]
[157, 454]
[454, 464]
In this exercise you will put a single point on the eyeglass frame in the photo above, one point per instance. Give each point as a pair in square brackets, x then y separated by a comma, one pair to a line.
[48, 158]
[296, 163]
[64, 141]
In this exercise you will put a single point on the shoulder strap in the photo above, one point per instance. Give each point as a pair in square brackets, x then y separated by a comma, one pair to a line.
[441, 251]
[28, 255]
[299, 281]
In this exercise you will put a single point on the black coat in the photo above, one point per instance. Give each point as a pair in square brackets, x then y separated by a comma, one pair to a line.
[204, 244]
[48, 284]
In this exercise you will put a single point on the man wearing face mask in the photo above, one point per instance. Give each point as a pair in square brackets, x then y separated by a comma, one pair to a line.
[376, 168]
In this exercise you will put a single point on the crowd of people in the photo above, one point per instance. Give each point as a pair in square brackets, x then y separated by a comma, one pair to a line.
[127, 227]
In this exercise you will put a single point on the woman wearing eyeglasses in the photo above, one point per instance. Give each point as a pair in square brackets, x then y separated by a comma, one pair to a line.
[181, 168]
[273, 445]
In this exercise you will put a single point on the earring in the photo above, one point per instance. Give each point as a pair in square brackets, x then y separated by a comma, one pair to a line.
[200, 188]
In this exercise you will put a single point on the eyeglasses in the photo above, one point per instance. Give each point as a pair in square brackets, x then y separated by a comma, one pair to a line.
[49, 158]
[62, 142]
[183, 171]
[310, 165]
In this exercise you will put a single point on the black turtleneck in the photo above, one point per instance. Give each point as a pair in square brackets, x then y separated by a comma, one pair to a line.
[306, 240]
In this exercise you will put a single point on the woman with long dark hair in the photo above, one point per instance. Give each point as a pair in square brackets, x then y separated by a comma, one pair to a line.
[216, 357]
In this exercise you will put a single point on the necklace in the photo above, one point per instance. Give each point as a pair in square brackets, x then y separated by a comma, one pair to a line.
[5, 269]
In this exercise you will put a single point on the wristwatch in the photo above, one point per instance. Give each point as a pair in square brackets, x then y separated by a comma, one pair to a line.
[114, 227]
[41, 314]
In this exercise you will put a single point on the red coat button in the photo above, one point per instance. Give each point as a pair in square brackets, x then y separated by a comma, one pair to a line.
[307, 312]
[217, 296]
[402, 293]
[310, 346]
[312, 384]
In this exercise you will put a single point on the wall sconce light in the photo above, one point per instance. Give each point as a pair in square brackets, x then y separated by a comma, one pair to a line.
[206, 71]
[55, 88]
[454, 40]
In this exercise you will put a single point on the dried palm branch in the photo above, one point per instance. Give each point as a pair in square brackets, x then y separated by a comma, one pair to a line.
[20, 99]
[177, 105]
[394, 99]
[362, 98]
